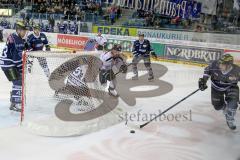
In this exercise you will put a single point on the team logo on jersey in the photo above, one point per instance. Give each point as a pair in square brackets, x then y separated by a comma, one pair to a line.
[232, 78]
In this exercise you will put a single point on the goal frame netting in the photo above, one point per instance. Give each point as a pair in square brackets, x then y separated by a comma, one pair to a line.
[61, 127]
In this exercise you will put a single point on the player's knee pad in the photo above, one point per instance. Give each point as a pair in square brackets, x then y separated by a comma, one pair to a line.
[102, 77]
[218, 103]
[147, 62]
[232, 94]
[135, 60]
[147, 65]
[233, 104]
[16, 94]
[110, 75]
[106, 75]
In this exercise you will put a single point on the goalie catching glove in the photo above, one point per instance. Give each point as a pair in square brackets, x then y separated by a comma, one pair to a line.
[47, 48]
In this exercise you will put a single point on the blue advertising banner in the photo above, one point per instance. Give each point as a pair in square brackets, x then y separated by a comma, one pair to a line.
[168, 8]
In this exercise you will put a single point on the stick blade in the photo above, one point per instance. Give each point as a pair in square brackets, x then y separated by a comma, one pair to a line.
[133, 125]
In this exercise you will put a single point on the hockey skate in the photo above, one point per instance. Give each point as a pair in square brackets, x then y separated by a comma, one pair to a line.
[230, 119]
[135, 77]
[112, 92]
[15, 107]
[150, 78]
[231, 124]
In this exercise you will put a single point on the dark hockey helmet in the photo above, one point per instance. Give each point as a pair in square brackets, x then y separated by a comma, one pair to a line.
[140, 35]
[21, 25]
[117, 47]
[226, 59]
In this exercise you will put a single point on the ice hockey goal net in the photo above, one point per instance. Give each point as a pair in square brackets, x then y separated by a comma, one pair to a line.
[71, 101]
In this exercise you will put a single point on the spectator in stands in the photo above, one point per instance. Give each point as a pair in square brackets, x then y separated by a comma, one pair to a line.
[157, 23]
[198, 28]
[119, 12]
[112, 17]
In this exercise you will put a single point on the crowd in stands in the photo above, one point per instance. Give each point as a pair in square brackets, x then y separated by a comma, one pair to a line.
[226, 20]
[77, 10]
[95, 11]
[11, 3]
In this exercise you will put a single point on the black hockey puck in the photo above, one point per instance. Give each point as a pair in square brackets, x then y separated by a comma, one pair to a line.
[132, 131]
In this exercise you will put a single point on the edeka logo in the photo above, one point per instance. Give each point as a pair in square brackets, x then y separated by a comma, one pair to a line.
[69, 41]
[115, 30]
[204, 55]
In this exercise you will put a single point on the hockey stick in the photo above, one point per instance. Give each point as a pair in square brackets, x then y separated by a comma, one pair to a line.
[143, 125]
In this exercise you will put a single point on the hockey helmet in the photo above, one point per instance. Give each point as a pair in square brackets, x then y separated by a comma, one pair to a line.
[117, 47]
[140, 35]
[36, 26]
[21, 25]
[226, 59]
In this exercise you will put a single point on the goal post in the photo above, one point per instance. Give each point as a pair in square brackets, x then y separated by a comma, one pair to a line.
[71, 101]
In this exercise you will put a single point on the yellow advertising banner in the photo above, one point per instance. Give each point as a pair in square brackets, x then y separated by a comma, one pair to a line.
[123, 31]
[5, 12]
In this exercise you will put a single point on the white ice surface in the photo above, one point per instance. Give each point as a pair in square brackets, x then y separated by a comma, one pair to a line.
[206, 137]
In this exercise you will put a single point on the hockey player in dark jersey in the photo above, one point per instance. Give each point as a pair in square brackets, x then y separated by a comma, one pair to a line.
[36, 41]
[1, 34]
[141, 51]
[11, 63]
[225, 91]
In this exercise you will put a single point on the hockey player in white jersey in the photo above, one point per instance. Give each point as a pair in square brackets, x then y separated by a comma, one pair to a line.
[109, 60]
[101, 41]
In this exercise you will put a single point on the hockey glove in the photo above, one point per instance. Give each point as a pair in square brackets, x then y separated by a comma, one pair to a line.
[48, 48]
[26, 46]
[123, 68]
[153, 54]
[202, 84]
